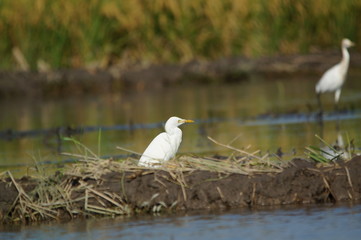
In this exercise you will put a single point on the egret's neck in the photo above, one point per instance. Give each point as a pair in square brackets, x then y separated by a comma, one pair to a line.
[345, 60]
[171, 129]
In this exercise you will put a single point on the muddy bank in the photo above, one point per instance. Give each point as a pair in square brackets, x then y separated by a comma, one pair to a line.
[138, 77]
[116, 192]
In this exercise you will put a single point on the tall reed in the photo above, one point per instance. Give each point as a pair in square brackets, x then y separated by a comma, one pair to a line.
[76, 33]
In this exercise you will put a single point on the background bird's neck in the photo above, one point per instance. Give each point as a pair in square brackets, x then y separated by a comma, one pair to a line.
[345, 59]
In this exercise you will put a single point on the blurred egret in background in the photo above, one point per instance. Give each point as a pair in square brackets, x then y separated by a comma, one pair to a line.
[333, 79]
[165, 145]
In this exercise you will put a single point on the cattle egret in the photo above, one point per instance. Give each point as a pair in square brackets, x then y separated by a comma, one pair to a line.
[165, 145]
[333, 79]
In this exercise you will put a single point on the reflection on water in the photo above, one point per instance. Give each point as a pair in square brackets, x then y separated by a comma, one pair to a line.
[329, 223]
[266, 114]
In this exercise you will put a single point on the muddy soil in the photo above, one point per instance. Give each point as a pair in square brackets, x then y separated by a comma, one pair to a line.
[138, 77]
[303, 182]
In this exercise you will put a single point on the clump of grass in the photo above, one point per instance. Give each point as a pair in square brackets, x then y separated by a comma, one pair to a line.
[61, 192]
[24, 208]
[50, 196]
[329, 153]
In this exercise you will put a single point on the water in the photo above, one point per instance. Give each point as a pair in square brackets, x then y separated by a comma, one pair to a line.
[341, 222]
[265, 114]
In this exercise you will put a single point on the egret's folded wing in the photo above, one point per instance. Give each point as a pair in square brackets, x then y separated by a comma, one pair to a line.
[157, 149]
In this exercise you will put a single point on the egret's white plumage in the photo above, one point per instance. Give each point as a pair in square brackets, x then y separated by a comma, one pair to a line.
[333, 79]
[165, 145]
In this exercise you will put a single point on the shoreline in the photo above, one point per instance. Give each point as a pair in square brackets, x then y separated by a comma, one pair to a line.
[114, 79]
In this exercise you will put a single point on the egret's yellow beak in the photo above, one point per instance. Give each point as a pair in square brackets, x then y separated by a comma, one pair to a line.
[185, 121]
[352, 44]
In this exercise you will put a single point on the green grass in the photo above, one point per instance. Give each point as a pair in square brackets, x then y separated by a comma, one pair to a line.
[77, 33]
[328, 152]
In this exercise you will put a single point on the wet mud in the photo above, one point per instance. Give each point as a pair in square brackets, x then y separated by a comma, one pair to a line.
[115, 79]
[302, 182]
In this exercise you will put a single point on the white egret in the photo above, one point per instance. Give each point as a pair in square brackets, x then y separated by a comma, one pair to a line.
[165, 145]
[333, 79]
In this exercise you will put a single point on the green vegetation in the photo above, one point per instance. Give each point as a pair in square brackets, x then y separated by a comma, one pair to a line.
[329, 153]
[79, 33]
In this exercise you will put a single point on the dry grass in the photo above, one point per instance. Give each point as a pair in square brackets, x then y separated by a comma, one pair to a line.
[25, 208]
[56, 193]
[240, 162]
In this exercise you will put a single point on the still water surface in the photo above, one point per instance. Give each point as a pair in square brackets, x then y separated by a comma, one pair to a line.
[341, 222]
[265, 114]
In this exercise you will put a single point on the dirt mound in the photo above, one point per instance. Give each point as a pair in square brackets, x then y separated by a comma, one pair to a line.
[301, 183]
[117, 192]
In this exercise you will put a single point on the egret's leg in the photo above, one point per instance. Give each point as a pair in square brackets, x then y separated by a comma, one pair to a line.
[319, 101]
[337, 98]
[319, 115]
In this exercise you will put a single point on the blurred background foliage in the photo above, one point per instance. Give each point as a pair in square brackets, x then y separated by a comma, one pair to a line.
[68, 33]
